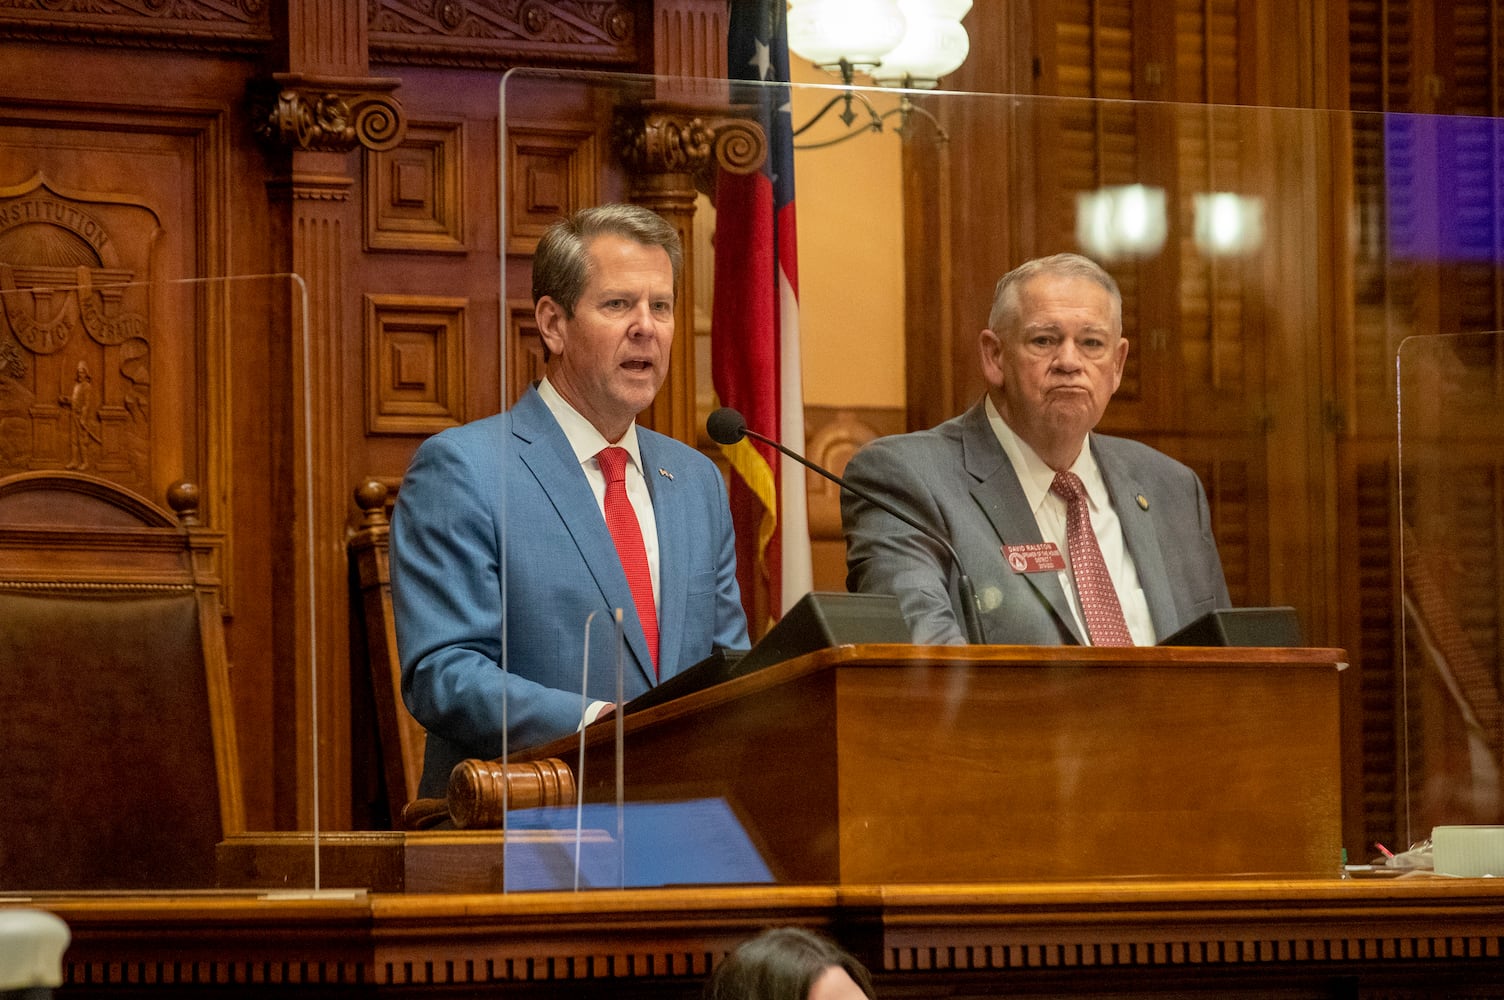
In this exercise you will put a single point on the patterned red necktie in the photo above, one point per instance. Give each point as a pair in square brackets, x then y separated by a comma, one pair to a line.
[621, 519]
[1099, 599]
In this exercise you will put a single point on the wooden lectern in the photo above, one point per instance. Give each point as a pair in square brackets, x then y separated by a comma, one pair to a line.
[888, 763]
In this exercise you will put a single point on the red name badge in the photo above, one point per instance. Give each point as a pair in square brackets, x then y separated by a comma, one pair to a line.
[1036, 557]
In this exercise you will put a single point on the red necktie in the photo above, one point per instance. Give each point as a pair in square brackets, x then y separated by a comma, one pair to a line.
[621, 519]
[1099, 599]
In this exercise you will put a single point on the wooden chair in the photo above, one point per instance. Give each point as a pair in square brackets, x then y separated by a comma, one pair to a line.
[477, 789]
[118, 763]
[400, 735]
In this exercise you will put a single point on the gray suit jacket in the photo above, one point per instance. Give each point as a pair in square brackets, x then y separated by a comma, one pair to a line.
[957, 479]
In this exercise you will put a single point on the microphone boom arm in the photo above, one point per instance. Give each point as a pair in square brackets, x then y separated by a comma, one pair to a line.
[963, 583]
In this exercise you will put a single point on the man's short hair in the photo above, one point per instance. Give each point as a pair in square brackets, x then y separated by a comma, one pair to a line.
[561, 264]
[1004, 314]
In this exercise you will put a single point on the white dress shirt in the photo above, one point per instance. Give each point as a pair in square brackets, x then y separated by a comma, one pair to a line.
[1049, 513]
[587, 443]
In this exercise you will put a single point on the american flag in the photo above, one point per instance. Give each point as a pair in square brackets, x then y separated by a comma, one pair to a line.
[755, 325]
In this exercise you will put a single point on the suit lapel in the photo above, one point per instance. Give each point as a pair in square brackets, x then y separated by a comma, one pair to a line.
[1000, 496]
[1139, 533]
[543, 448]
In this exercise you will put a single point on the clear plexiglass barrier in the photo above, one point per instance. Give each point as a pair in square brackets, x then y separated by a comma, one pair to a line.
[1270, 260]
[120, 612]
[1451, 426]
[1271, 263]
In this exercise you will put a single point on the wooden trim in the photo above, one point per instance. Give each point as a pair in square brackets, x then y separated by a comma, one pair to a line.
[1231, 936]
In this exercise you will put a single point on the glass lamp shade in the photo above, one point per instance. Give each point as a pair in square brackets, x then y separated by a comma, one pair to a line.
[860, 32]
[934, 45]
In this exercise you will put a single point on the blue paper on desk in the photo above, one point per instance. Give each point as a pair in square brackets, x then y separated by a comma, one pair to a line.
[695, 842]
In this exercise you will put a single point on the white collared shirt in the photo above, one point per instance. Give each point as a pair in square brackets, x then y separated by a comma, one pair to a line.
[587, 442]
[1049, 513]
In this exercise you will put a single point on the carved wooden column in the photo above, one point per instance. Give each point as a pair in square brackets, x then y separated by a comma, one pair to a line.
[666, 145]
[313, 116]
[667, 150]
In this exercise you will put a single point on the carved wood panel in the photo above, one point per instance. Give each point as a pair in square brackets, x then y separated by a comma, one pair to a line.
[105, 352]
[833, 436]
[524, 348]
[235, 26]
[415, 363]
[504, 33]
[551, 173]
[77, 295]
[123, 369]
[415, 194]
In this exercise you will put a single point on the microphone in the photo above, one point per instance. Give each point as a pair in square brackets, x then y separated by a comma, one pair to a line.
[727, 426]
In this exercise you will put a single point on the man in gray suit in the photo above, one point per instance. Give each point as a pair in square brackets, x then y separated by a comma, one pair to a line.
[994, 481]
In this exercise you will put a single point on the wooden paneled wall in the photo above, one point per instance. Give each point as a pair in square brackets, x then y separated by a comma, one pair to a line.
[176, 149]
[349, 151]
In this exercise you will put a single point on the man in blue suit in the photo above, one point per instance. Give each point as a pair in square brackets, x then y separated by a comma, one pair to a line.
[1052, 355]
[506, 578]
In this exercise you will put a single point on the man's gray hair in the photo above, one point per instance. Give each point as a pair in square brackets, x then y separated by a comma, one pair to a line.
[1004, 314]
[561, 264]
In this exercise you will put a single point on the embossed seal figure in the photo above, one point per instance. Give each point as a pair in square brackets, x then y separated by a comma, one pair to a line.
[82, 402]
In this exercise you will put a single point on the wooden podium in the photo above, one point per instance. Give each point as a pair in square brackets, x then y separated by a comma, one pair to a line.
[888, 763]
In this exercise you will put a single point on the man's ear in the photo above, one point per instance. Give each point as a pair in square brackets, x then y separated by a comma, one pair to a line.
[551, 318]
[990, 349]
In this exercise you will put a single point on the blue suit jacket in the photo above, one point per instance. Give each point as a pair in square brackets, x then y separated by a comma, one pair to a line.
[957, 479]
[500, 558]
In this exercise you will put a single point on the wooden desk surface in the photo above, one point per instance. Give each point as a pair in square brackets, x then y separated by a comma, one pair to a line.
[1422, 936]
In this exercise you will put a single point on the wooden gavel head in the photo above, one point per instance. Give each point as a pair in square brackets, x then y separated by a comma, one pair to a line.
[480, 791]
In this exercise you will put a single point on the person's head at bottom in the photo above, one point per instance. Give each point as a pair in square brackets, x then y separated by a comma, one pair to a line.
[789, 963]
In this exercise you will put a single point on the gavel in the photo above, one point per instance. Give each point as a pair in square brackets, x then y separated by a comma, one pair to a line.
[480, 792]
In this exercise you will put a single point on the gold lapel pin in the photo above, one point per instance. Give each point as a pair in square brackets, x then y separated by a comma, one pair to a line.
[1143, 502]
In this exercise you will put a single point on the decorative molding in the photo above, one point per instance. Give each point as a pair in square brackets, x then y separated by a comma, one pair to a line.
[415, 198]
[499, 34]
[304, 186]
[187, 11]
[550, 173]
[658, 140]
[415, 363]
[690, 44]
[1111, 938]
[236, 26]
[289, 111]
[64, 587]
